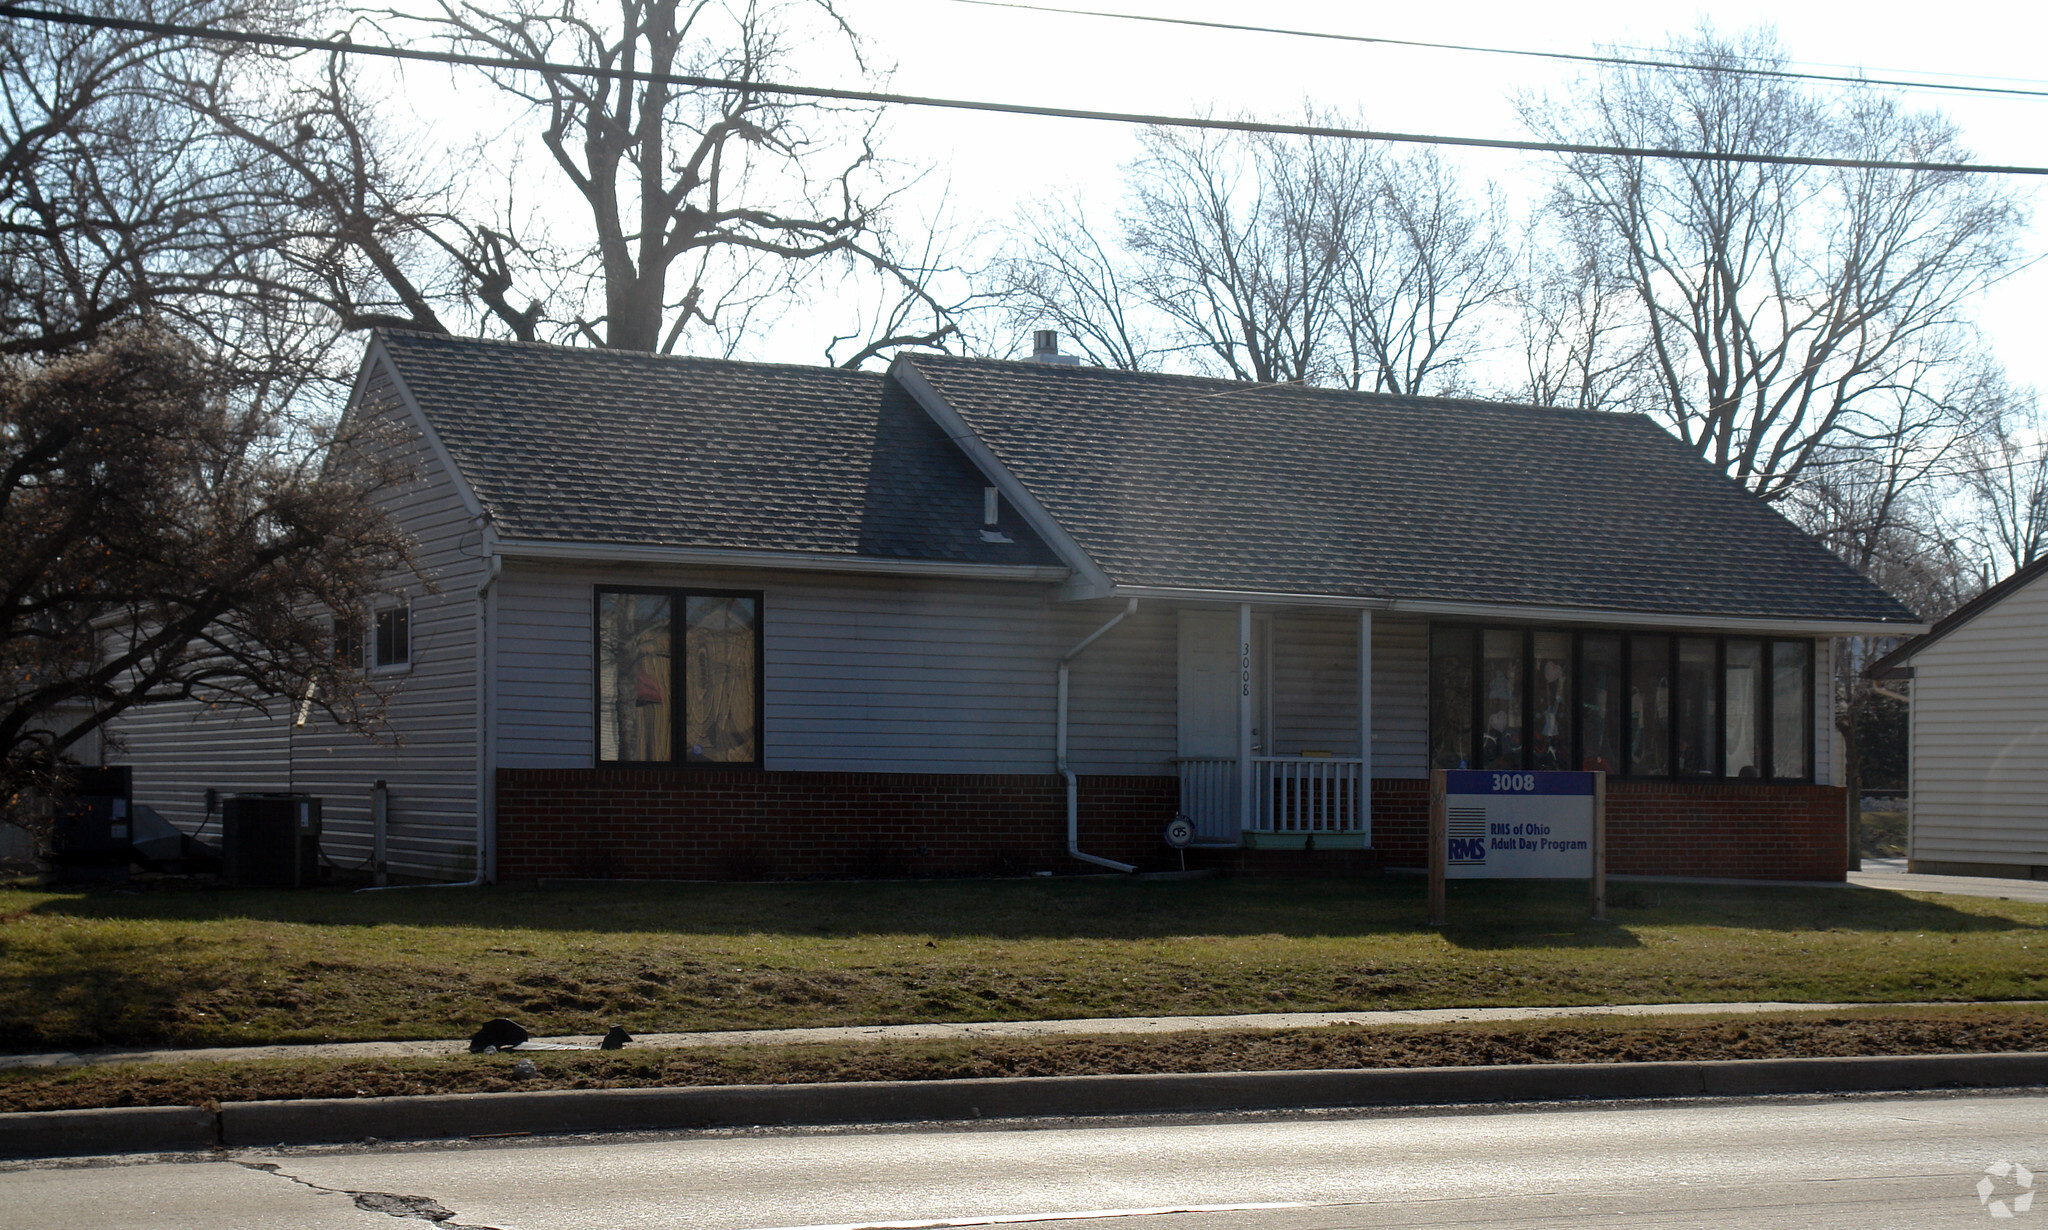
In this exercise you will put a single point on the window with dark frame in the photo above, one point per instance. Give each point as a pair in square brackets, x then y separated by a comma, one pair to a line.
[1636, 704]
[678, 677]
[394, 635]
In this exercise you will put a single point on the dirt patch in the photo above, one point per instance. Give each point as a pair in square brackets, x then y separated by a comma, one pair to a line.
[1881, 1032]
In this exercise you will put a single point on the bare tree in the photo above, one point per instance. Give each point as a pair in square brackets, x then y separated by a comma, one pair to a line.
[1573, 316]
[1272, 259]
[1787, 312]
[1239, 245]
[1059, 273]
[114, 204]
[246, 197]
[1425, 262]
[2005, 488]
[702, 203]
[160, 540]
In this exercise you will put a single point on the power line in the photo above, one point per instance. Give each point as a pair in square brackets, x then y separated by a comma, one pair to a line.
[1573, 57]
[344, 46]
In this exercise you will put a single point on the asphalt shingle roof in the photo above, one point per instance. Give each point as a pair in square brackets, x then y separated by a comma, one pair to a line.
[1185, 483]
[584, 445]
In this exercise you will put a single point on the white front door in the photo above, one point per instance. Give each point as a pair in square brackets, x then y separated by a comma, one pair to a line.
[1210, 682]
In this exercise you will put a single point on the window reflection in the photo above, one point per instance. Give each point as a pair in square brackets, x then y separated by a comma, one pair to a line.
[1697, 728]
[1789, 708]
[1600, 710]
[719, 677]
[633, 677]
[1450, 698]
[1550, 699]
[1649, 705]
[1638, 704]
[1501, 714]
[1745, 708]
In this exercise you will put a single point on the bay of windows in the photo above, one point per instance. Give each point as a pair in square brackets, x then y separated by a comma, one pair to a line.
[1635, 704]
[678, 677]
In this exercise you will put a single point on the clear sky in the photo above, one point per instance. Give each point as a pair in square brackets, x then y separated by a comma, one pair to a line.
[997, 164]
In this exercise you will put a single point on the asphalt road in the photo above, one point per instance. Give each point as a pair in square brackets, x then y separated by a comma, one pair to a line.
[1891, 1161]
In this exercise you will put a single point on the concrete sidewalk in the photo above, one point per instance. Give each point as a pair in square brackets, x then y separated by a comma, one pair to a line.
[1891, 874]
[965, 1030]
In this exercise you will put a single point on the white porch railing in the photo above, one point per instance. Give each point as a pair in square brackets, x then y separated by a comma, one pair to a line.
[1307, 794]
[1208, 798]
[1290, 794]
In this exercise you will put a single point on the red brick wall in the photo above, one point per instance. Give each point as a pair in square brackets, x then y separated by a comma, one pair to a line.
[669, 825]
[750, 825]
[1740, 830]
[1749, 830]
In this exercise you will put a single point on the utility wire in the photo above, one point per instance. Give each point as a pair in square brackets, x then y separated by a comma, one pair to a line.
[344, 46]
[1573, 57]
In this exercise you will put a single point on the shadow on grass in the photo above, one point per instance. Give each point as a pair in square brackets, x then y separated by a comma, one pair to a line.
[1483, 913]
[87, 1004]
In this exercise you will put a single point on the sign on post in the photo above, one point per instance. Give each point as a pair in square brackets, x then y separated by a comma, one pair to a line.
[1516, 826]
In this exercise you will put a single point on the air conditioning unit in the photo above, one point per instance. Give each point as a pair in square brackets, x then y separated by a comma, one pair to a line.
[270, 840]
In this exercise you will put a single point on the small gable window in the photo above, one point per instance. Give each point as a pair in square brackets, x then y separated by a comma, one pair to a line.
[394, 636]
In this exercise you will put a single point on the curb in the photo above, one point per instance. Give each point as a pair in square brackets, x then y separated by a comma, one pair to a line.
[550, 1112]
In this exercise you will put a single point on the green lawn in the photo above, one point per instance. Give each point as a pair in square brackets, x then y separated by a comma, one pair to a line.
[191, 967]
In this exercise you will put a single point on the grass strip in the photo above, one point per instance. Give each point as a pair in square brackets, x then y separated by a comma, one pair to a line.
[1874, 1031]
[226, 967]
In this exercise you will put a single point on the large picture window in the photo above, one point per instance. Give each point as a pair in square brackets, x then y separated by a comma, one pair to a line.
[1635, 704]
[678, 677]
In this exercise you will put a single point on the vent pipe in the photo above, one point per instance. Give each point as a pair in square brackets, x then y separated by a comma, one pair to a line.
[1045, 348]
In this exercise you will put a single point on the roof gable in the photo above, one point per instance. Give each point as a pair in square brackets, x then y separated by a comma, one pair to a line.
[1181, 483]
[578, 445]
[1890, 663]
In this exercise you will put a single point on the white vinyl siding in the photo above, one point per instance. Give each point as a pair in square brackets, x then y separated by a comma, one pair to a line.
[428, 754]
[1980, 737]
[930, 676]
[865, 674]
[1315, 687]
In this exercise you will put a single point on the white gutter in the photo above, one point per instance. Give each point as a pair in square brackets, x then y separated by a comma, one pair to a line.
[1534, 613]
[1060, 751]
[792, 561]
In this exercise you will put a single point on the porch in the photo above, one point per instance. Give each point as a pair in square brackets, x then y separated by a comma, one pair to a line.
[1270, 757]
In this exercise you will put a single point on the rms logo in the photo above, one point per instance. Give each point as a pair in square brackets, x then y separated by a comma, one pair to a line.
[1466, 828]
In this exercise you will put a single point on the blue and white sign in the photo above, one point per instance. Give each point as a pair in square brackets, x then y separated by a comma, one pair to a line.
[1518, 826]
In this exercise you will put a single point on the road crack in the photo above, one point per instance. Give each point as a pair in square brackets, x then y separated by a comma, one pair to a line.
[421, 1208]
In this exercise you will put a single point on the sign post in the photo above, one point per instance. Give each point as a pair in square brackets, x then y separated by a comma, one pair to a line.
[1600, 845]
[1485, 825]
[1436, 847]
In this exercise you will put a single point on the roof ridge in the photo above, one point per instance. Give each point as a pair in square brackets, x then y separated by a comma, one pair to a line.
[1298, 388]
[608, 354]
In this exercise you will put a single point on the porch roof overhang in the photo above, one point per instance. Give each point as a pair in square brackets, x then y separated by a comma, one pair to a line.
[1529, 613]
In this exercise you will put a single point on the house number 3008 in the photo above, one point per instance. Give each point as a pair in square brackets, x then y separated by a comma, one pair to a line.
[1245, 668]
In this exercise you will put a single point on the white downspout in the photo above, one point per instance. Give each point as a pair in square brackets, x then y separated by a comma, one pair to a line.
[1060, 751]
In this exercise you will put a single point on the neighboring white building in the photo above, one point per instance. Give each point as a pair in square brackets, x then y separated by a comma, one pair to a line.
[1979, 736]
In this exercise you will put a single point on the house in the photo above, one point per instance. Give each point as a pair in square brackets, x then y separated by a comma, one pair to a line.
[1977, 750]
[697, 619]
